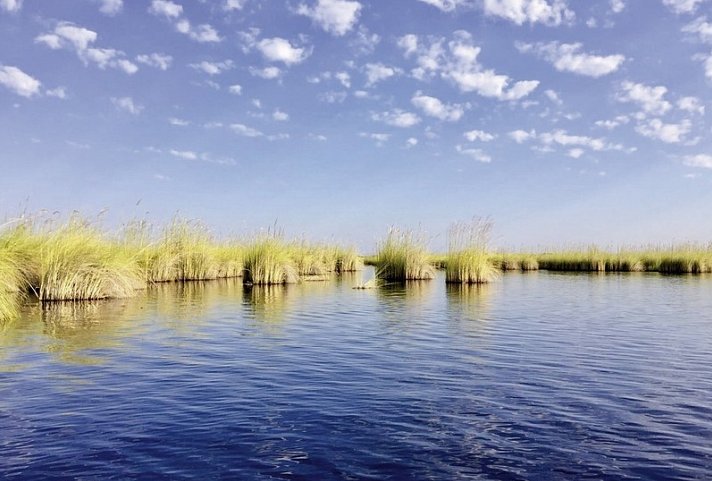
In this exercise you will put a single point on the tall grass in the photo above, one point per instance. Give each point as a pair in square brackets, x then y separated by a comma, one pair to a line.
[468, 259]
[268, 261]
[348, 260]
[403, 256]
[14, 270]
[76, 262]
[680, 259]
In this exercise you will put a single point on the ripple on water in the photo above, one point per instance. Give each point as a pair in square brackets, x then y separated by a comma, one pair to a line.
[543, 376]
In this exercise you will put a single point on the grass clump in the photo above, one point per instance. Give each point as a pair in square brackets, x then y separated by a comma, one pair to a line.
[348, 260]
[403, 256]
[14, 270]
[468, 258]
[268, 261]
[76, 262]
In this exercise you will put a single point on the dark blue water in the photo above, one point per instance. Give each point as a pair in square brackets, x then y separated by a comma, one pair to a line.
[538, 377]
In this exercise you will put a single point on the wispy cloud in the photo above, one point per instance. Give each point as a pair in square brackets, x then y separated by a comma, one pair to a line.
[568, 57]
[173, 12]
[127, 104]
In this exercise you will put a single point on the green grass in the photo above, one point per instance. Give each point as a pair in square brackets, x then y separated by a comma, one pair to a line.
[348, 260]
[403, 256]
[76, 262]
[680, 259]
[14, 271]
[468, 259]
[268, 261]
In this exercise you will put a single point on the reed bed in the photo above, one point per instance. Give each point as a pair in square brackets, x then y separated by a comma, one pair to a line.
[403, 256]
[348, 260]
[468, 259]
[681, 259]
[268, 260]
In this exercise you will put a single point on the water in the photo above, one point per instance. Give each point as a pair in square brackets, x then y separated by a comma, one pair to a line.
[541, 376]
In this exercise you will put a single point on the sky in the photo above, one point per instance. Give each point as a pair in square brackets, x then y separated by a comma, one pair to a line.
[563, 121]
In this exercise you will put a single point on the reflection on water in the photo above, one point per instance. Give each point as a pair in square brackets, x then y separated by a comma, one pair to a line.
[267, 304]
[537, 376]
[469, 301]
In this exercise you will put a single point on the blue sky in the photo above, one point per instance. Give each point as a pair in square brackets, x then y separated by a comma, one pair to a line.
[564, 121]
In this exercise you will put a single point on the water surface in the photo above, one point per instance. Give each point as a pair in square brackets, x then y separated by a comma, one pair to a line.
[540, 376]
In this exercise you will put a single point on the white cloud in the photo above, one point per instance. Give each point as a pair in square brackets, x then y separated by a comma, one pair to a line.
[111, 7]
[178, 122]
[521, 136]
[235, 89]
[700, 160]
[553, 96]
[475, 154]
[397, 118]
[682, 6]
[127, 104]
[335, 16]
[59, 93]
[378, 137]
[563, 138]
[691, 104]
[245, 131]
[205, 157]
[447, 5]
[617, 6]
[481, 135]
[280, 50]
[458, 63]
[364, 42]
[266, 73]
[567, 57]
[79, 39]
[575, 153]
[700, 27]
[230, 5]
[650, 99]
[184, 154]
[434, 107]
[173, 12]
[376, 72]
[548, 12]
[411, 142]
[332, 97]
[344, 78]
[157, 60]
[11, 5]
[668, 133]
[19, 82]
[127, 66]
[166, 8]
[213, 68]
[280, 116]
[612, 124]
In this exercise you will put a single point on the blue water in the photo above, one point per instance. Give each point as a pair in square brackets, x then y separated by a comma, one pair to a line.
[541, 376]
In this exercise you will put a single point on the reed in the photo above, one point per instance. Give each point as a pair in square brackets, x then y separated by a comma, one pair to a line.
[348, 260]
[403, 256]
[310, 260]
[76, 262]
[268, 261]
[14, 271]
[468, 258]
